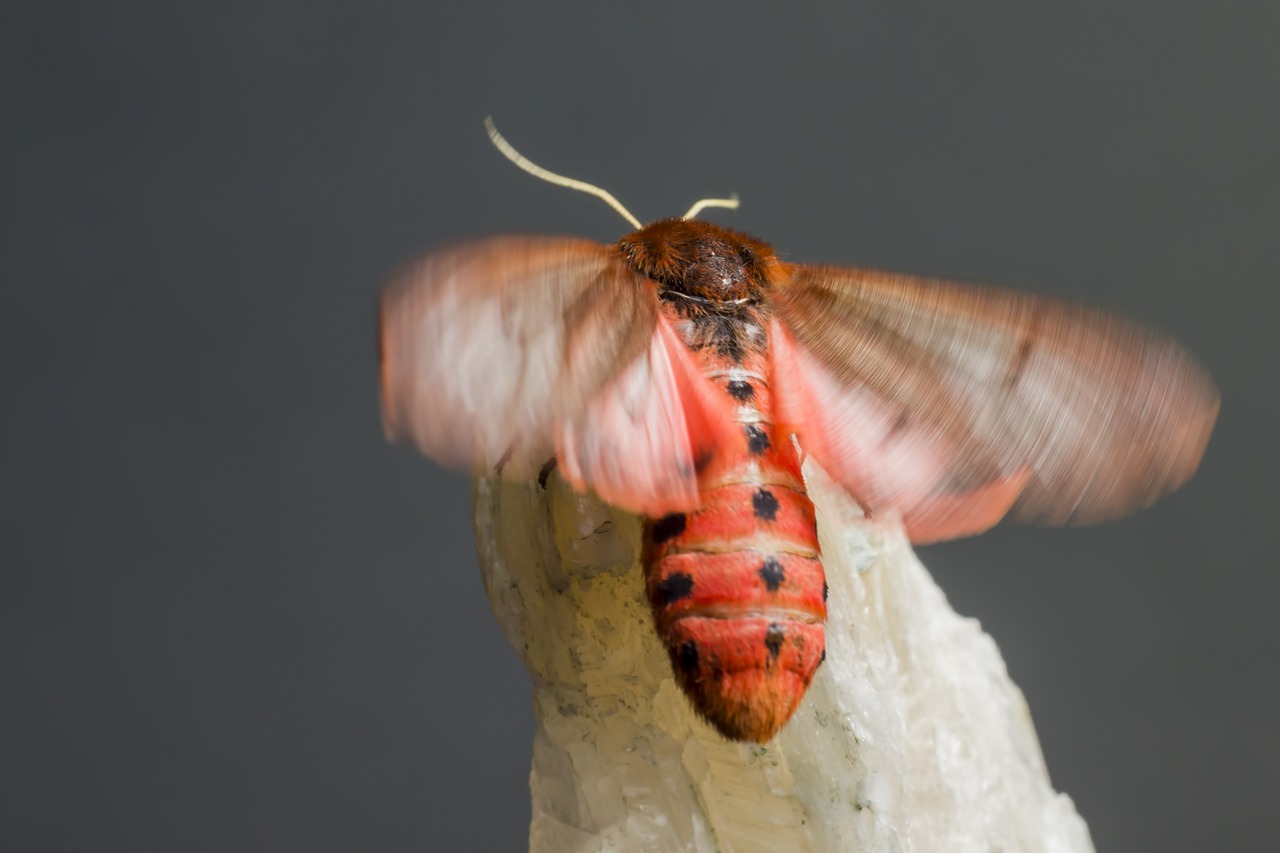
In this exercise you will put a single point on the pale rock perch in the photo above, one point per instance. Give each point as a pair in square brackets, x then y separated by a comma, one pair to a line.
[911, 738]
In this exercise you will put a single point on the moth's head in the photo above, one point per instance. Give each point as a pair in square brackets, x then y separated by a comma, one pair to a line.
[685, 256]
[701, 260]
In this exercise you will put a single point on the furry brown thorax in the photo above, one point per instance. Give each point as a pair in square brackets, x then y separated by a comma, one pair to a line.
[702, 261]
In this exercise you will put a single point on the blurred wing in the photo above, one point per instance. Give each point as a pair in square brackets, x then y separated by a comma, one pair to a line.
[486, 346]
[954, 403]
[506, 351]
[640, 441]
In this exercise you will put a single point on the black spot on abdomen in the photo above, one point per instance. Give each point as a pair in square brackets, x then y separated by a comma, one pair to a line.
[772, 574]
[773, 639]
[674, 587]
[757, 439]
[764, 505]
[668, 527]
[687, 657]
[740, 390]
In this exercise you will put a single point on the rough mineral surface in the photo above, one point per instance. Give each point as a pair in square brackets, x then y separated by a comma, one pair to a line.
[912, 737]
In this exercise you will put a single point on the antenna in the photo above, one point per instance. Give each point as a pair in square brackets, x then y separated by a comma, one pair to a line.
[731, 202]
[537, 171]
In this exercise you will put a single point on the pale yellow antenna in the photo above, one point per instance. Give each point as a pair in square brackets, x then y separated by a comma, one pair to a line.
[560, 180]
[731, 202]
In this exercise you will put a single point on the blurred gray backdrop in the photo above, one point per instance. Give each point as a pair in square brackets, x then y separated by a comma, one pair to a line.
[233, 619]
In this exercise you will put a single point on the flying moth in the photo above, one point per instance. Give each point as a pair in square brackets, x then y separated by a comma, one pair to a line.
[683, 373]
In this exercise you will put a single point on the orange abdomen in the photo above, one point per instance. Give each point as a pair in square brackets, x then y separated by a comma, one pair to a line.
[737, 587]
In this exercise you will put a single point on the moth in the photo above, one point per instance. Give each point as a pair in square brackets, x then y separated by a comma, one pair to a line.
[683, 372]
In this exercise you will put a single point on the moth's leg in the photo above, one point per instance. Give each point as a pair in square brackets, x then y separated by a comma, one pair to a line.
[545, 471]
[504, 459]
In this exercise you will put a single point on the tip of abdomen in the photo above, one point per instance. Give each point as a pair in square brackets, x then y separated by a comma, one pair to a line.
[745, 676]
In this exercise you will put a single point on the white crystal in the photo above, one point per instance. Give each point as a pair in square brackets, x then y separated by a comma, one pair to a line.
[911, 738]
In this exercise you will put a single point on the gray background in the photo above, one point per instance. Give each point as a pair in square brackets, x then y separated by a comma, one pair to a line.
[232, 619]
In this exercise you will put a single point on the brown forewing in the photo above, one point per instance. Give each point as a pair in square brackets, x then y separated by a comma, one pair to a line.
[1108, 415]
[486, 346]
